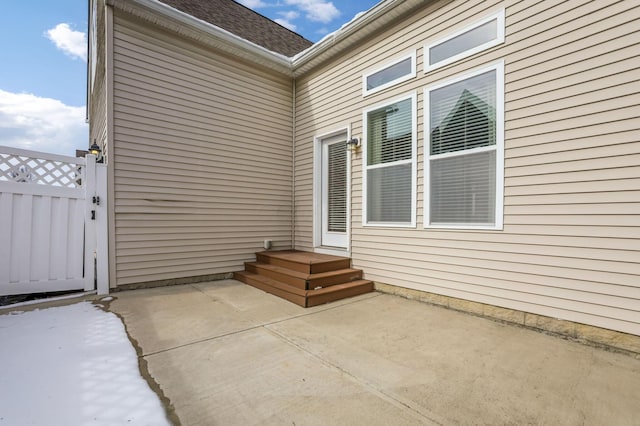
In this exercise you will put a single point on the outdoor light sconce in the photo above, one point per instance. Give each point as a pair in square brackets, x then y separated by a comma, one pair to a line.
[95, 150]
[353, 144]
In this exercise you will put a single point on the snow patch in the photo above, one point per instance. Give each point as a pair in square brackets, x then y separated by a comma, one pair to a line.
[72, 365]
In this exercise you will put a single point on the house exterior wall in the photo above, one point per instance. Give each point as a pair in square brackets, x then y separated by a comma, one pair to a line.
[97, 88]
[570, 244]
[202, 150]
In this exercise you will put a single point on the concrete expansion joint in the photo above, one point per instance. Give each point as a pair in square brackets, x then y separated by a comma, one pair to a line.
[244, 330]
[396, 400]
[207, 339]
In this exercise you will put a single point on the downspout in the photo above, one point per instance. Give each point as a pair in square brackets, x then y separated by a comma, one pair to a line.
[88, 97]
[293, 164]
[110, 138]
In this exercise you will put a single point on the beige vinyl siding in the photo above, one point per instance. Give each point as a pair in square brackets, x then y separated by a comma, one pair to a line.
[570, 247]
[203, 161]
[98, 113]
[98, 93]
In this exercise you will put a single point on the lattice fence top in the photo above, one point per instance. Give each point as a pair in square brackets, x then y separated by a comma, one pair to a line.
[23, 166]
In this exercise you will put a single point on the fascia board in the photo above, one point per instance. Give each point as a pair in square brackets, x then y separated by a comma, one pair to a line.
[359, 28]
[207, 33]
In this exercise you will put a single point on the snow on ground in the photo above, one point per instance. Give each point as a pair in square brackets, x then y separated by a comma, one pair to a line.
[72, 365]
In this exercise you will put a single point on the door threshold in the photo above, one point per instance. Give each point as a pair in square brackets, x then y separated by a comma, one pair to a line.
[336, 251]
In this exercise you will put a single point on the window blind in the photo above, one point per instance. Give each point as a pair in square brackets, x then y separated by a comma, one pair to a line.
[337, 187]
[462, 185]
[463, 189]
[389, 194]
[390, 183]
[463, 114]
[389, 133]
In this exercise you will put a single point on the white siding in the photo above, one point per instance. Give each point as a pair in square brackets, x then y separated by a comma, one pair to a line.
[570, 247]
[202, 157]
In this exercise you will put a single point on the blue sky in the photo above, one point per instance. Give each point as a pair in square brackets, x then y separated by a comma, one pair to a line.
[43, 63]
[312, 18]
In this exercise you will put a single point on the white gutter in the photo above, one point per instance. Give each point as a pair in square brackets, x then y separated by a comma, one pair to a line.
[207, 31]
[345, 31]
[372, 20]
[375, 19]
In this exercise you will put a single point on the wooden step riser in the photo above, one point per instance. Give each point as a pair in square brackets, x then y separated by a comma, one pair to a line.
[338, 294]
[278, 276]
[308, 268]
[257, 283]
[338, 277]
[313, 298]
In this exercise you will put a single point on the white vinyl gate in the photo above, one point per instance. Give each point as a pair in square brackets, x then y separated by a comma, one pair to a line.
[53, 223]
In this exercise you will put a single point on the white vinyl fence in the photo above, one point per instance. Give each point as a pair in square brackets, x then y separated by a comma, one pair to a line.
[52, 223]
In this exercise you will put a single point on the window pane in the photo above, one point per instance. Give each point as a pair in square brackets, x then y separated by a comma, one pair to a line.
[337, 187]
[463, 114]
[389, 133]
[389, 194]
[389, 74]
[465, 41]
[463, 189]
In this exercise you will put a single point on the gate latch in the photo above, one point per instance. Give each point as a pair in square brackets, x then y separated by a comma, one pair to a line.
[96, 200]
[93, 215]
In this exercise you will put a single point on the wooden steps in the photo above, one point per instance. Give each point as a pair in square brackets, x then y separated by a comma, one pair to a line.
[304, 278]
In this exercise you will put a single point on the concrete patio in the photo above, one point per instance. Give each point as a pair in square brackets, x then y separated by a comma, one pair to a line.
[227, 353]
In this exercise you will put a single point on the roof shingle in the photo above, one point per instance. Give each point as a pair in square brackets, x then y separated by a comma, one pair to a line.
[245, 23]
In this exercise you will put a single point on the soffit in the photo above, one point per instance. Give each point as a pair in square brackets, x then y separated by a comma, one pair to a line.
[245, 23]
[171, 19]
[376, 19]
[380, 17]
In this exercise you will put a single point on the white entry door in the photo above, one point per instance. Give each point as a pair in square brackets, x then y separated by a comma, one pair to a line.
[334, 192]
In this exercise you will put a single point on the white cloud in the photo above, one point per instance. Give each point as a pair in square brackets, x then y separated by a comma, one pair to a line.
[252, 4]
[289, 15]
[42, 124]
[286, 19]
[286, 23]
[72, 43]
[316, 10]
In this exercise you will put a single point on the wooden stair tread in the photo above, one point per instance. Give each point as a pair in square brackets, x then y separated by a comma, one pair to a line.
[304, 280]
[300, 256]
[338, 292]
[303, 261]
[275, 268]
[338, 287]
[271, 286]
[272, 283]
[302, 275]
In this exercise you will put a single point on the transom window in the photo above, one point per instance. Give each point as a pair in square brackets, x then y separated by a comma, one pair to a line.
[464, 151]
[398, 71]
[482, 35]
[390, 163]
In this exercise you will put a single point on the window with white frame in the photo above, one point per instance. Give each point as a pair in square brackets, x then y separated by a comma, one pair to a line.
[464, 146]
[482, 35]
[390, 163]
[398, 71]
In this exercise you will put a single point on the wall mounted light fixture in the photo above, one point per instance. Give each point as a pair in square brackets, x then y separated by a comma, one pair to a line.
[353, 144]
[94, 149]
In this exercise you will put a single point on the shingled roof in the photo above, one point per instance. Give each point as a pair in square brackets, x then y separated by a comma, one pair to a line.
[245, 23]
